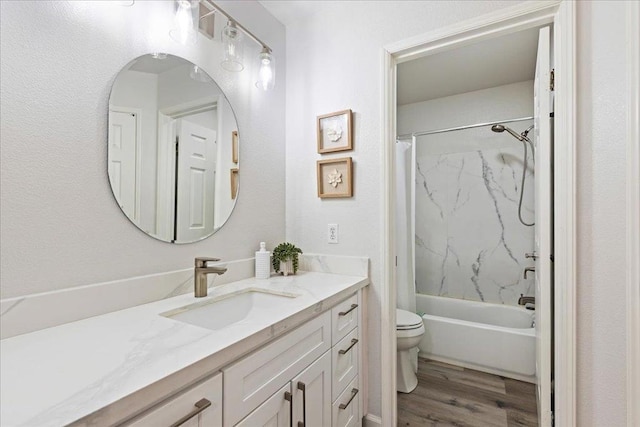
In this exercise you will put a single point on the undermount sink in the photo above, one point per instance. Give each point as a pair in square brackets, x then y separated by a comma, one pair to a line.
[225, 310]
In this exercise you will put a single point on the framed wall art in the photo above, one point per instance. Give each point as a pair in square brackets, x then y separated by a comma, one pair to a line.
[334, 132]
[335, 178]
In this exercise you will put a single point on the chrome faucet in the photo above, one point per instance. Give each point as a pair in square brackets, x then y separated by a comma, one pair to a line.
[528, 269]
[200, 275]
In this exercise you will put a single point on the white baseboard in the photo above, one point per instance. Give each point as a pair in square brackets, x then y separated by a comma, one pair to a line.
[372, 421]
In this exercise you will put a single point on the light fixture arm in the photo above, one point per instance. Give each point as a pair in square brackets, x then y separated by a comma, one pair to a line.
[237, 24]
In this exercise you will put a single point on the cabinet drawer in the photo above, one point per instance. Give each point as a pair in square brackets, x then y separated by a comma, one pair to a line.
[344, 317]
[199, 406]
[345, 409]
[251, 380]
[344, 357]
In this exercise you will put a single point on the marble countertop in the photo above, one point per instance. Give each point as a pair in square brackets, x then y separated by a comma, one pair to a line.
[99, 370]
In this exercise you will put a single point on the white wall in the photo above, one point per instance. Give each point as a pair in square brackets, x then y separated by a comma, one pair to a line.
[602, 95]
[334, 63]
[60, 225]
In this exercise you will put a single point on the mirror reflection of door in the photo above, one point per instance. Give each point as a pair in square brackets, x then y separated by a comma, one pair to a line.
[123, 145]
[195, 183]
[170, 148]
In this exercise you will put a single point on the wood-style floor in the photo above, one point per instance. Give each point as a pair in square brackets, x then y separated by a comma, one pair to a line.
[452, 396]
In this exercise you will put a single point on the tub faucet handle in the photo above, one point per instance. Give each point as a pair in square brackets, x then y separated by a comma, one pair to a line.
[528, 269]
[531, 255]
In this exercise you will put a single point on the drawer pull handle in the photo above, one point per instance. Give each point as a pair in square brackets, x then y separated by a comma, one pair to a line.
[344, 313]
[302, 386]
[346, 350]
[354, 391]
[200, 405]
[289, 398]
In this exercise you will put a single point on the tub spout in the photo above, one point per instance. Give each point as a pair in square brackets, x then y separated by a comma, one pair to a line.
[526, 300]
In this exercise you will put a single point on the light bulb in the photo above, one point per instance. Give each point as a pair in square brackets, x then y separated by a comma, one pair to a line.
[266, 70]
[232, 44]
[186, 22]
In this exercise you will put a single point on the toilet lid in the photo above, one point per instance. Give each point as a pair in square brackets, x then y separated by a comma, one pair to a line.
[407, 320]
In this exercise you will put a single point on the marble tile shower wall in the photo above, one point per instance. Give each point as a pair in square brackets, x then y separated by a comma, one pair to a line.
[469, 241]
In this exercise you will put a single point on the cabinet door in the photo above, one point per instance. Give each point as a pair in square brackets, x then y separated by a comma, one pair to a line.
[275, 412]
[199, 406]
[312, 394]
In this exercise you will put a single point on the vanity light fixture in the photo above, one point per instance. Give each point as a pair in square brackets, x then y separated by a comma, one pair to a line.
[232, 36]
[186, 21]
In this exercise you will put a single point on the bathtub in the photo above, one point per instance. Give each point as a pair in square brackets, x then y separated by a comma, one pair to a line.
[493, 338]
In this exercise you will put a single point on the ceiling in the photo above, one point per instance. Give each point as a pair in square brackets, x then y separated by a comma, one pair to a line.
[148, 64]
[490, 63]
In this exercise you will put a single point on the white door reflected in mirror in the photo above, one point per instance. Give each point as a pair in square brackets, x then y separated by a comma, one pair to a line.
[171, 149]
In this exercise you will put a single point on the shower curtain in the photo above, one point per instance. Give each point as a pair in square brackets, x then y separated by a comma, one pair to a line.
[405, 225]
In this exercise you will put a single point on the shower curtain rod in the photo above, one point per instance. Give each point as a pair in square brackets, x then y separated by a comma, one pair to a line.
[431, 132]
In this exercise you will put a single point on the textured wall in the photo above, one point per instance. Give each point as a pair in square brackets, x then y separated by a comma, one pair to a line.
[601, 177]
[59, 222]
[333, 63]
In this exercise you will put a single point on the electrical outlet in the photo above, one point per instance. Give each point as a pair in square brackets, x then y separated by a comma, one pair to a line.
[332, 233]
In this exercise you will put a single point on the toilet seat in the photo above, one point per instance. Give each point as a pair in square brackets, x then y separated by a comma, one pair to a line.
[405, 320]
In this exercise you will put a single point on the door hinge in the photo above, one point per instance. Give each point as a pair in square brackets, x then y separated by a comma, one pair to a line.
[552, 80]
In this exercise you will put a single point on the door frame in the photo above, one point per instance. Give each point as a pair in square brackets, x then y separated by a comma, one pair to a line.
[562, 14]
[633, 214]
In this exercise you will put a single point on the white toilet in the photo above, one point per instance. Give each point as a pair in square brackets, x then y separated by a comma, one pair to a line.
[409, 331]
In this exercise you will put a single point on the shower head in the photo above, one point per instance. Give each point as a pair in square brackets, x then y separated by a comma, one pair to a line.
[520, 137]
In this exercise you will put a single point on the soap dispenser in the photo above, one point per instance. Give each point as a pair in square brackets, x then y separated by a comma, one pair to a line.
[263, 262]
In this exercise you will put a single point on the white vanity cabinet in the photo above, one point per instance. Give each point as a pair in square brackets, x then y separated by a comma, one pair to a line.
[255, 378]
[198, 406]
[306, 378]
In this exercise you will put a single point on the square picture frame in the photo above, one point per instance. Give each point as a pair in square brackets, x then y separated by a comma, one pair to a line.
[335, 132]
[335, 178]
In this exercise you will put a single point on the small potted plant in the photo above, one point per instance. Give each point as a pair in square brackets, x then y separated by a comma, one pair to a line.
[285, 258]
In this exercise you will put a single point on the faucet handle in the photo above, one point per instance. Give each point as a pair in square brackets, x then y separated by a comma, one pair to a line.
[201, 262]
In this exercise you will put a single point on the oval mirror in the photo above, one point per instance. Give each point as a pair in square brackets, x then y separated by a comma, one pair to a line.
[173, 149]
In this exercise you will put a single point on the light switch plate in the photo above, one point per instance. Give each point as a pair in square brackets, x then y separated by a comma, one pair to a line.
[332, 233]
